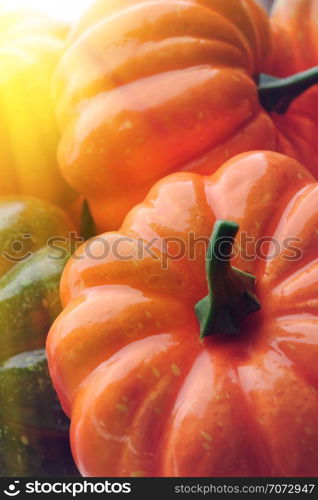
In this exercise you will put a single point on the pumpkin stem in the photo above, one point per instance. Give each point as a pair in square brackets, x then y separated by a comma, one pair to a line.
[231, 294]
[277, 94]
[87, 226]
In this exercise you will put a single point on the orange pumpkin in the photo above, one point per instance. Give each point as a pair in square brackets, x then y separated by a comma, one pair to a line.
[295, 26]
[145, 394]
[295, 35]
[149, 87]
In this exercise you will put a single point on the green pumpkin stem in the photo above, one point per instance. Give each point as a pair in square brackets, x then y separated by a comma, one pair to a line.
[277, 94]
[231, 291]
[87, 225]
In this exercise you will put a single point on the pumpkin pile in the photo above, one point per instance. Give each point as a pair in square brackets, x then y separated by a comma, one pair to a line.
[33, 429]
[183, 341]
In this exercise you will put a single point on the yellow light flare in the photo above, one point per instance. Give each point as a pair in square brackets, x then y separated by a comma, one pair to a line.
[67, 10]
[30, 47]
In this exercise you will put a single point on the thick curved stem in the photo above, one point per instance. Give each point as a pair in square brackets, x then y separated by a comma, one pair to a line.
[277, 94]
[231, 294]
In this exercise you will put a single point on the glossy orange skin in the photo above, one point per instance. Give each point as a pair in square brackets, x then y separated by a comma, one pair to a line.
[146, 397]
[295, 35]
[149, 87]
[298, 20]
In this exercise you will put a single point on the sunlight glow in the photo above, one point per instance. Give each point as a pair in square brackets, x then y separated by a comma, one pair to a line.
[64, 10]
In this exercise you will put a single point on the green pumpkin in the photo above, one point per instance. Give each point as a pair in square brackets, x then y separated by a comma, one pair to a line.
[33, 429]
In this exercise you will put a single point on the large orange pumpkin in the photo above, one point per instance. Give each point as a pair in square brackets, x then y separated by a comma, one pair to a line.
[145, 395]
[149, 87]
